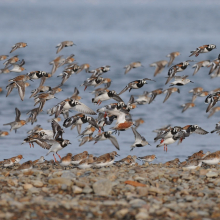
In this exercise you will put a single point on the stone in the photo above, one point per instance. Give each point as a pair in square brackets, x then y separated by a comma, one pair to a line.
[211, 174]
[13, 182]
[27, 186]
[76, 190]
[69, 175]
[142, 215]
[60, 180]
[37, 183]
[102, 187]
[135, 203]
[87, 190]
[121, 213]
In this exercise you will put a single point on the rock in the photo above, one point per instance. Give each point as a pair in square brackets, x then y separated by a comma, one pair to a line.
[76, 190]
[34, 190]
[87, 190]
[37, 183]
[64, 187]
[102, 187]
[60, 180]
[142, 215]
[69, 175]
[137, 203]
[13, 182]
[27, 186]
[79, 183]
[121, 213]
[142, 191]
[211, 174]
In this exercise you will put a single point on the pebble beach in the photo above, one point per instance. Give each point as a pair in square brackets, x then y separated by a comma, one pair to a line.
[149, 191]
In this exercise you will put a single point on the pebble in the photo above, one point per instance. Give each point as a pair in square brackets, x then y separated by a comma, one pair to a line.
[102, 187]
[211, 174]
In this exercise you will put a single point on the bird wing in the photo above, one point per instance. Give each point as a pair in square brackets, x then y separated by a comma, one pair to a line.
[21, 89]
[117, 98]
[114, 141]
[137, 136]
[82, 108]
[18, 114]
[200, 131]
[167, 96]
[124, 90]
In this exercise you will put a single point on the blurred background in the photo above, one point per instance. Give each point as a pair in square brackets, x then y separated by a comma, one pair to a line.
[113, 33]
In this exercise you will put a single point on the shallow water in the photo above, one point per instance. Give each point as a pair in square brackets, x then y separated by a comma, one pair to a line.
[114, 34]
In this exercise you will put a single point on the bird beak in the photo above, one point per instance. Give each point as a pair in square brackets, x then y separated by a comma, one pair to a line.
[149, 144]
[117, 155]
[191, 82]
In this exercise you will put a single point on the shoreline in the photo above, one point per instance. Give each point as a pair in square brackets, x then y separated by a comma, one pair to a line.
[149, 191]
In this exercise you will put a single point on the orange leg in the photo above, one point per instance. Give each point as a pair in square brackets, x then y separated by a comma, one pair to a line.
[85, 88]
[105, 115]
[100, 102]
[166, 148]
[33, 145]
[55, 158]
[100, 129]
[30, 145]
[95, 142]
[162, 140]
[58, 155]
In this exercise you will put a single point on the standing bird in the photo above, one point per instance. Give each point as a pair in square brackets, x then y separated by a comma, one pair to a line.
[148, 158]
[131, 66]
[140, 141]
[63, 44]
[172, 56]
[17, 123]
[160, 65]
[18, 45]
[203, 49]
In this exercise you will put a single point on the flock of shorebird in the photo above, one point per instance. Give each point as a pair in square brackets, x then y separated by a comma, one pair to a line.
[118, 112]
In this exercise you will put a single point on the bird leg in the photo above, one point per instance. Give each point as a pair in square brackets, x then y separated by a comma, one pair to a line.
[99, 102]
[100, 129]
[58, 155]
[166, 148]
[55, 158]
[33, 145]
[162, 140]
[85, 88]
[30, 144]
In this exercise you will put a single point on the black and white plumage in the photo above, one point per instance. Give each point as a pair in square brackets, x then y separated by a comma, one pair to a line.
[107, 135]
[135, 85]
[203, 49]
[57, 130]
[140, 141]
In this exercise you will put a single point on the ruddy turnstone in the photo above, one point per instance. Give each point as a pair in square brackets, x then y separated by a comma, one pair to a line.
[217, 128]
[135, 85]
[92, 81]
[169, 92]
[63, 44]
[203, 49]
[177, 68]
[18, 45]
[140, 141]
[131, 66]
[17, 123]
[160, 65]
[212, 99]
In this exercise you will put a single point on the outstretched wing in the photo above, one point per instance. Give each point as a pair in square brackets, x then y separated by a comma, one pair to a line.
[114, 141]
